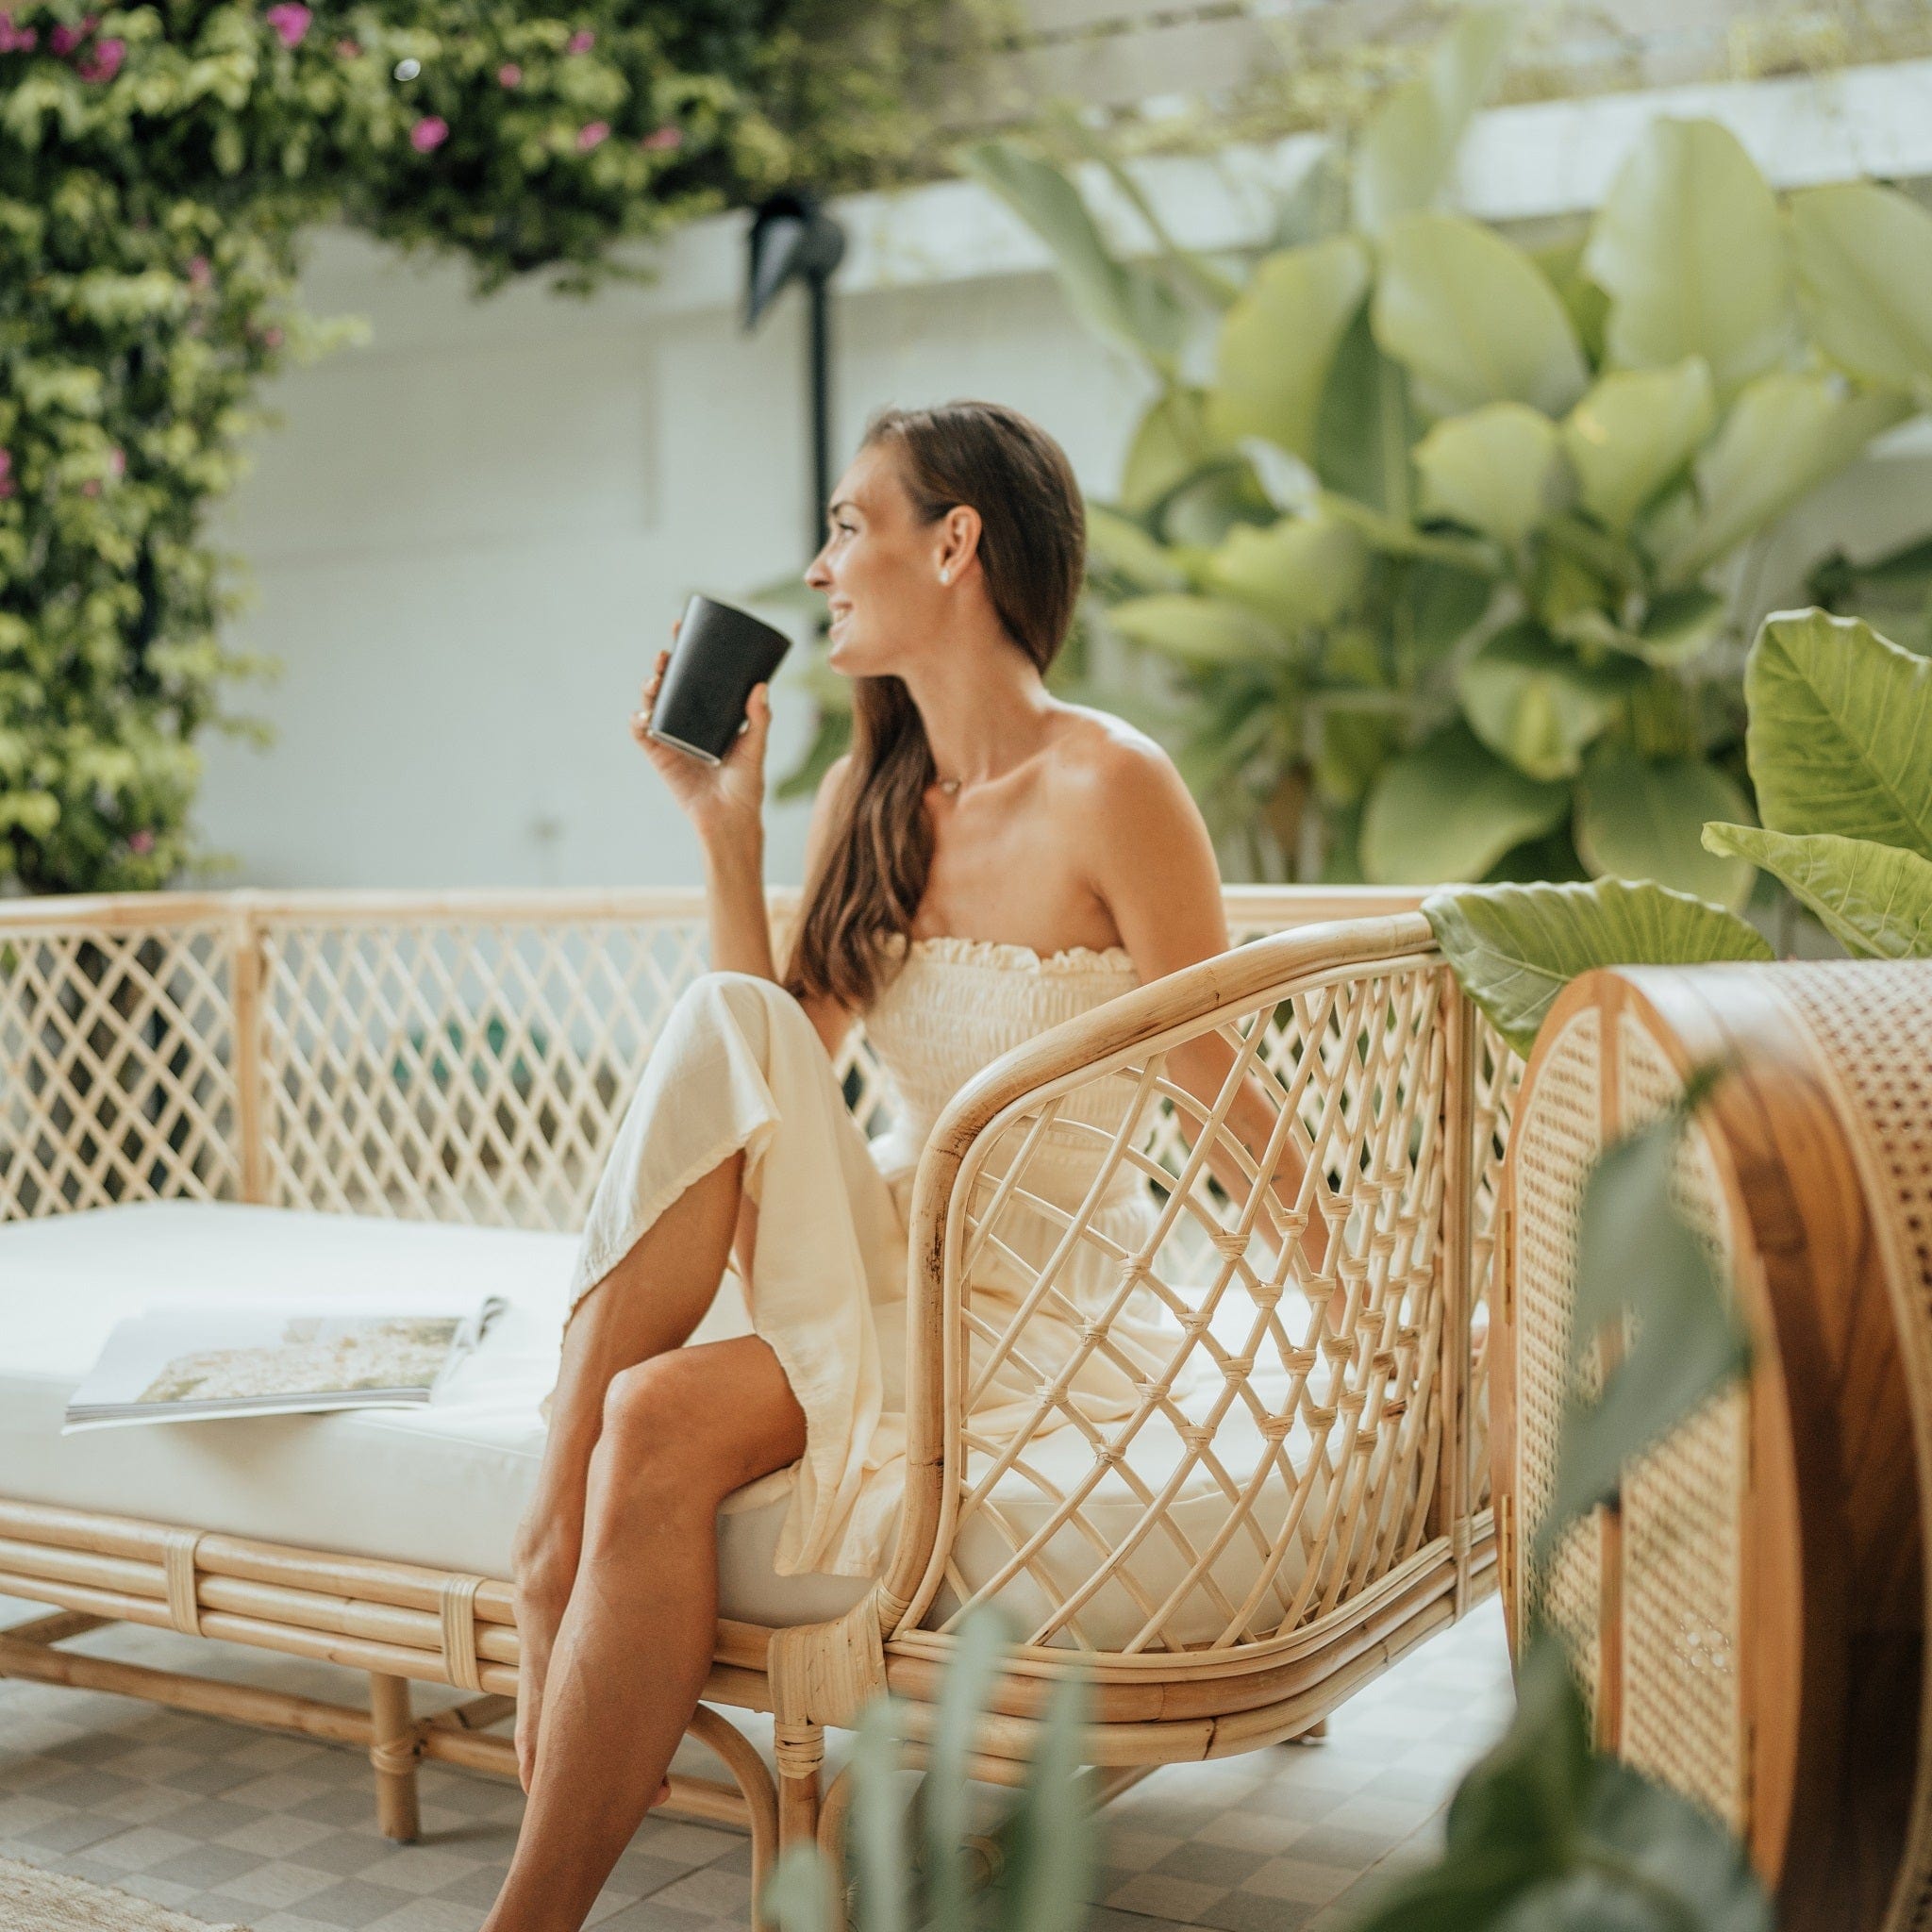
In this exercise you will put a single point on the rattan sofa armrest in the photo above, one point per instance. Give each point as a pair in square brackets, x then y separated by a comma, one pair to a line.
[1157, 1016]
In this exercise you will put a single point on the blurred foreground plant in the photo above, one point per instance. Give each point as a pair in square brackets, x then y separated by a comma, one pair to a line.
[1040, 1857]
[1543, 1831]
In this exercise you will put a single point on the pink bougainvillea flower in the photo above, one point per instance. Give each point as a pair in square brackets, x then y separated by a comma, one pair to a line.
[64, 39]
[117, 461]
[199, 273]
[666, 136]
[582, 40]
[290, 19]
[103, 63]
[142, 840]
[430, 132]
[590, 133]
[5, 473]
[510, 75]
[272, 338]
[16, 39]
[347, 49]
[92, 486]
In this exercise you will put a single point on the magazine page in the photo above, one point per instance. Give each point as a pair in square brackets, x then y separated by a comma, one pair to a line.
[173, 1364]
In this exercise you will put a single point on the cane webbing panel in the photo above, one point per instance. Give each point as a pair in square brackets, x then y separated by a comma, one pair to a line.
[1872, 1024]
[1683, 1714]
[1557, 1138]
[1314, 1409]
[1498, 1075]
[116, 1068]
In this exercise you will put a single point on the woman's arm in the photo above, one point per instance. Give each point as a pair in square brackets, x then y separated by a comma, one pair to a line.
[1153, 866]
[726, 804]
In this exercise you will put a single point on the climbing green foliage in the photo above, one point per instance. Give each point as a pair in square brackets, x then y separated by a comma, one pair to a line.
[159, 165]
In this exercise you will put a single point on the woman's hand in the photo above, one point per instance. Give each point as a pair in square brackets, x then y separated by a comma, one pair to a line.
[725, 800]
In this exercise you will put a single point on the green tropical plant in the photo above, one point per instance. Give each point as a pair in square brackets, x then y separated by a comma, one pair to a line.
[1839, 743]
[159, 165]
[1440, 571]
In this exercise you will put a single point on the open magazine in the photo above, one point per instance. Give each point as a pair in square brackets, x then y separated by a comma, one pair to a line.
[181, 1364]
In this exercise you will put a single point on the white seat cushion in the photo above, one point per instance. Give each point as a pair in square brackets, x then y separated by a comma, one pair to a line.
[442, 1485]
[445, 1483]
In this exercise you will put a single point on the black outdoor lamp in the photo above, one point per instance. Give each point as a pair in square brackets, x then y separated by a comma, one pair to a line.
[793, 239]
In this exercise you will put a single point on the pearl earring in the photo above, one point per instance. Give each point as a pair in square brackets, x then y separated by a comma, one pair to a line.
[945, 576]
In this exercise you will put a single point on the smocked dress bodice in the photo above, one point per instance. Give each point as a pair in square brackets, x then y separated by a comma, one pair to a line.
[956, 1006]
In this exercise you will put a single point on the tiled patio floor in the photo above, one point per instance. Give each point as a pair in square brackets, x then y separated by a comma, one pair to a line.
[234, 1825]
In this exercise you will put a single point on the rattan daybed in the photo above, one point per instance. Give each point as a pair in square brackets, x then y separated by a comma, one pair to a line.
[1262, 1536]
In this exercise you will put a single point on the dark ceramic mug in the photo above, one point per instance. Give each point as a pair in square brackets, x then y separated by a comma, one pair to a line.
[720, 653]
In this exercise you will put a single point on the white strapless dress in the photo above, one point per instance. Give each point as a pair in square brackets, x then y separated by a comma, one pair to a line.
[738, 1065]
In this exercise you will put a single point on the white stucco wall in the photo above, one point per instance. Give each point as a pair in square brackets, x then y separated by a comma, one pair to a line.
[470, 535]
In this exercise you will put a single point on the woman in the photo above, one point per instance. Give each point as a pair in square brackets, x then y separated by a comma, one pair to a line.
[986, 861]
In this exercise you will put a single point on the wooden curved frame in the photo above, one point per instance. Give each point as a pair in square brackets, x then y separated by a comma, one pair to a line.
[1831, 1771]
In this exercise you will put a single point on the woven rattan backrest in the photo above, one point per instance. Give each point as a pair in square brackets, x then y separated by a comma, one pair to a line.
[459, 1056]
[1273, 1436]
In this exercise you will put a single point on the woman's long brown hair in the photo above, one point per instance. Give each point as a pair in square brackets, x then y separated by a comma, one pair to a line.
[1032, 548]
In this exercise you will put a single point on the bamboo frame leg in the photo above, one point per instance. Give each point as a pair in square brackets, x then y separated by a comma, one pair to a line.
[800, 1750]
[740, 1759]
[395, 1746]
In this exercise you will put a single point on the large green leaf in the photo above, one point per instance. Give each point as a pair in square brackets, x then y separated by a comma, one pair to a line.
[1864, 259]
[1515, 948]
[1278, 343]
[964, 1698]
[1200, 631]
[1688, 248]
[1404, 158]
[1119, 299]
[1537, 703]
[1499, 469]
[1840, 732]
[1784, 436]
[1366, 425]
[1134, 555]
[1875, 900]
[1679, 626]
[1471, 319]
[1171, 444]
[1640, 818]
[1634, 431]
[1391, 535]
[1303, 571]
[1449, 810]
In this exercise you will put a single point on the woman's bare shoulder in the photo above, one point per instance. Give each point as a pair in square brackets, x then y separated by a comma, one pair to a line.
[1104, 764]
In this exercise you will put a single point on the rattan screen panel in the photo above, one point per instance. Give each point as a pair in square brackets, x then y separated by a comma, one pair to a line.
[474, 1071]
[1683, 1719]
[117, 1067]
[1557, 1138]
[1497, 1076]
[1301, 1400]
[1879, 1047]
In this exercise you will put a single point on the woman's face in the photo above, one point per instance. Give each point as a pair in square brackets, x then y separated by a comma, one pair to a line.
[878, 570]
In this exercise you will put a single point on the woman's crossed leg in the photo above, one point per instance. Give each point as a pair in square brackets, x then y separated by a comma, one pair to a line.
[617, 1557]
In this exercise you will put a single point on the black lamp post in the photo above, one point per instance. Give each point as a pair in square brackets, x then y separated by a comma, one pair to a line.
[793, 239]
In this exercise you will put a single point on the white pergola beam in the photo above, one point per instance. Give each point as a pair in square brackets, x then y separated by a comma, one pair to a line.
[1523, 163]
